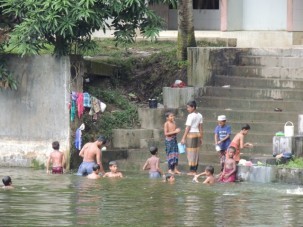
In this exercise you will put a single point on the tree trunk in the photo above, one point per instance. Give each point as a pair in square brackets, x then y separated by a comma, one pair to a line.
[186, 32]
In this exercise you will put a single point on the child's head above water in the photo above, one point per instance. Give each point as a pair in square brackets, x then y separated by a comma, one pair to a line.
[96, 167]
[169, 178]
[153, 150]
[56, 145]
[7, 181]
[113, 166]
[210, 170]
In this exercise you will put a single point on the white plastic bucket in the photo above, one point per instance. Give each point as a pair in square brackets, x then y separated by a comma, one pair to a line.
[289, 129]
[181, 148]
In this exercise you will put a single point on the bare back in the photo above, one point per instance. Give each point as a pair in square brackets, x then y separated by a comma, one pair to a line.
[90, 152]
[153, 163]
[238, 140]
[210, 180]
[57, 159]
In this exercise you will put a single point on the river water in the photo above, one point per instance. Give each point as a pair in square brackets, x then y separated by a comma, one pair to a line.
[68, 200]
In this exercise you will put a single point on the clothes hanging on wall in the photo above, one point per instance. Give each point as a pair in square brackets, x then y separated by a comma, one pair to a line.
[86, 100]
[80, 106]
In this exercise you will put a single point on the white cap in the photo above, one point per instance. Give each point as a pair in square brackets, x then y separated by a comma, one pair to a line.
[222, 118]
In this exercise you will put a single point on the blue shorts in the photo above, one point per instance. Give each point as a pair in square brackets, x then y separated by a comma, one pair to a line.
[85, 168]
[154, 175]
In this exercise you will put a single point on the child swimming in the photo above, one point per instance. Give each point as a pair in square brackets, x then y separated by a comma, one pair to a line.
[7, 181]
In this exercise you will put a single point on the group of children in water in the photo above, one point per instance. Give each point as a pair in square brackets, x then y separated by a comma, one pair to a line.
[229, 152]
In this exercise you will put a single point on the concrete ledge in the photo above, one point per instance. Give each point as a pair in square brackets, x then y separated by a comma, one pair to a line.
[23, 153]
[130, 138]
[178, 97]
[269, 174]
[151, 118]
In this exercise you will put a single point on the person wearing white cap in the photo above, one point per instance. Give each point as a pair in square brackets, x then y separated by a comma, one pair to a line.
[222, 138]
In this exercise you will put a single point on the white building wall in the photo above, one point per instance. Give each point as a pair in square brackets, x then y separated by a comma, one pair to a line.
[203, 19]
[234, 15]
[297, 15]
[264, 15]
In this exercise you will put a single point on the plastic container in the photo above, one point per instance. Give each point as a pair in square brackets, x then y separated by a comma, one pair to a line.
[300, 124]
[289, 129]
[181, 148]
[153, 103]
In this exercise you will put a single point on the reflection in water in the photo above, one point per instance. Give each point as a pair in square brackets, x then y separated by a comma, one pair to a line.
[47, 200]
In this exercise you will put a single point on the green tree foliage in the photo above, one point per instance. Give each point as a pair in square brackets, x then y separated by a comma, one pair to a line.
[69, 24]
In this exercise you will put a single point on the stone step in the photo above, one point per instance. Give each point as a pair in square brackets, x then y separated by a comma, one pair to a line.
[251, 137]
[254, 93]
[249, 104]
[266, 127]
[257, 82]
[257, 126]
[211, 114]
[266, 72]
[275, 52]
[271, 61]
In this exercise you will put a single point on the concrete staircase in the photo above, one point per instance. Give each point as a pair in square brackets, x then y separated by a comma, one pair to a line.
[250, 91]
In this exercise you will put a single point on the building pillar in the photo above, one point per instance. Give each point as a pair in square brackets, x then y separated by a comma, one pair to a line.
[223, 11]
[289, 15]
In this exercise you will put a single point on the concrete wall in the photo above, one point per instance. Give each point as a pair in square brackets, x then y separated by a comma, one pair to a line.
[264, 15]
[234, 15]
[37, 113]
[203, 19]
[206, 62]
[297, 15]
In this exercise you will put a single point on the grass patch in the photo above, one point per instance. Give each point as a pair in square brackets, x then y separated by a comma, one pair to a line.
[296, 163]
[120, 113]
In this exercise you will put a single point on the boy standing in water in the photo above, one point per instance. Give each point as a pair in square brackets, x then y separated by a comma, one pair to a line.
[152, 164]
[95, 173]
[91, 153]
[238, 142]
[193, 136]
[171, 144]
[222, 138]
[113, 170]
[57, 159]
[209, 173]
[229, 172]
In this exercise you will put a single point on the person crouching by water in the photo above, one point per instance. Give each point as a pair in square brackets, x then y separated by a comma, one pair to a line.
[7, 181]
[56, 158]
[229, 172]
[193, 136]
[95, 173]
[113, 167]
[91, 153]
[209, 173]
[152, 164]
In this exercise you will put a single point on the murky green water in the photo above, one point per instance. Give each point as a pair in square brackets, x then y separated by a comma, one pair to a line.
[67, 200]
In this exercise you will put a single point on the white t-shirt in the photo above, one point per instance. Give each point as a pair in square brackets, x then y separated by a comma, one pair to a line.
[193, 120]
